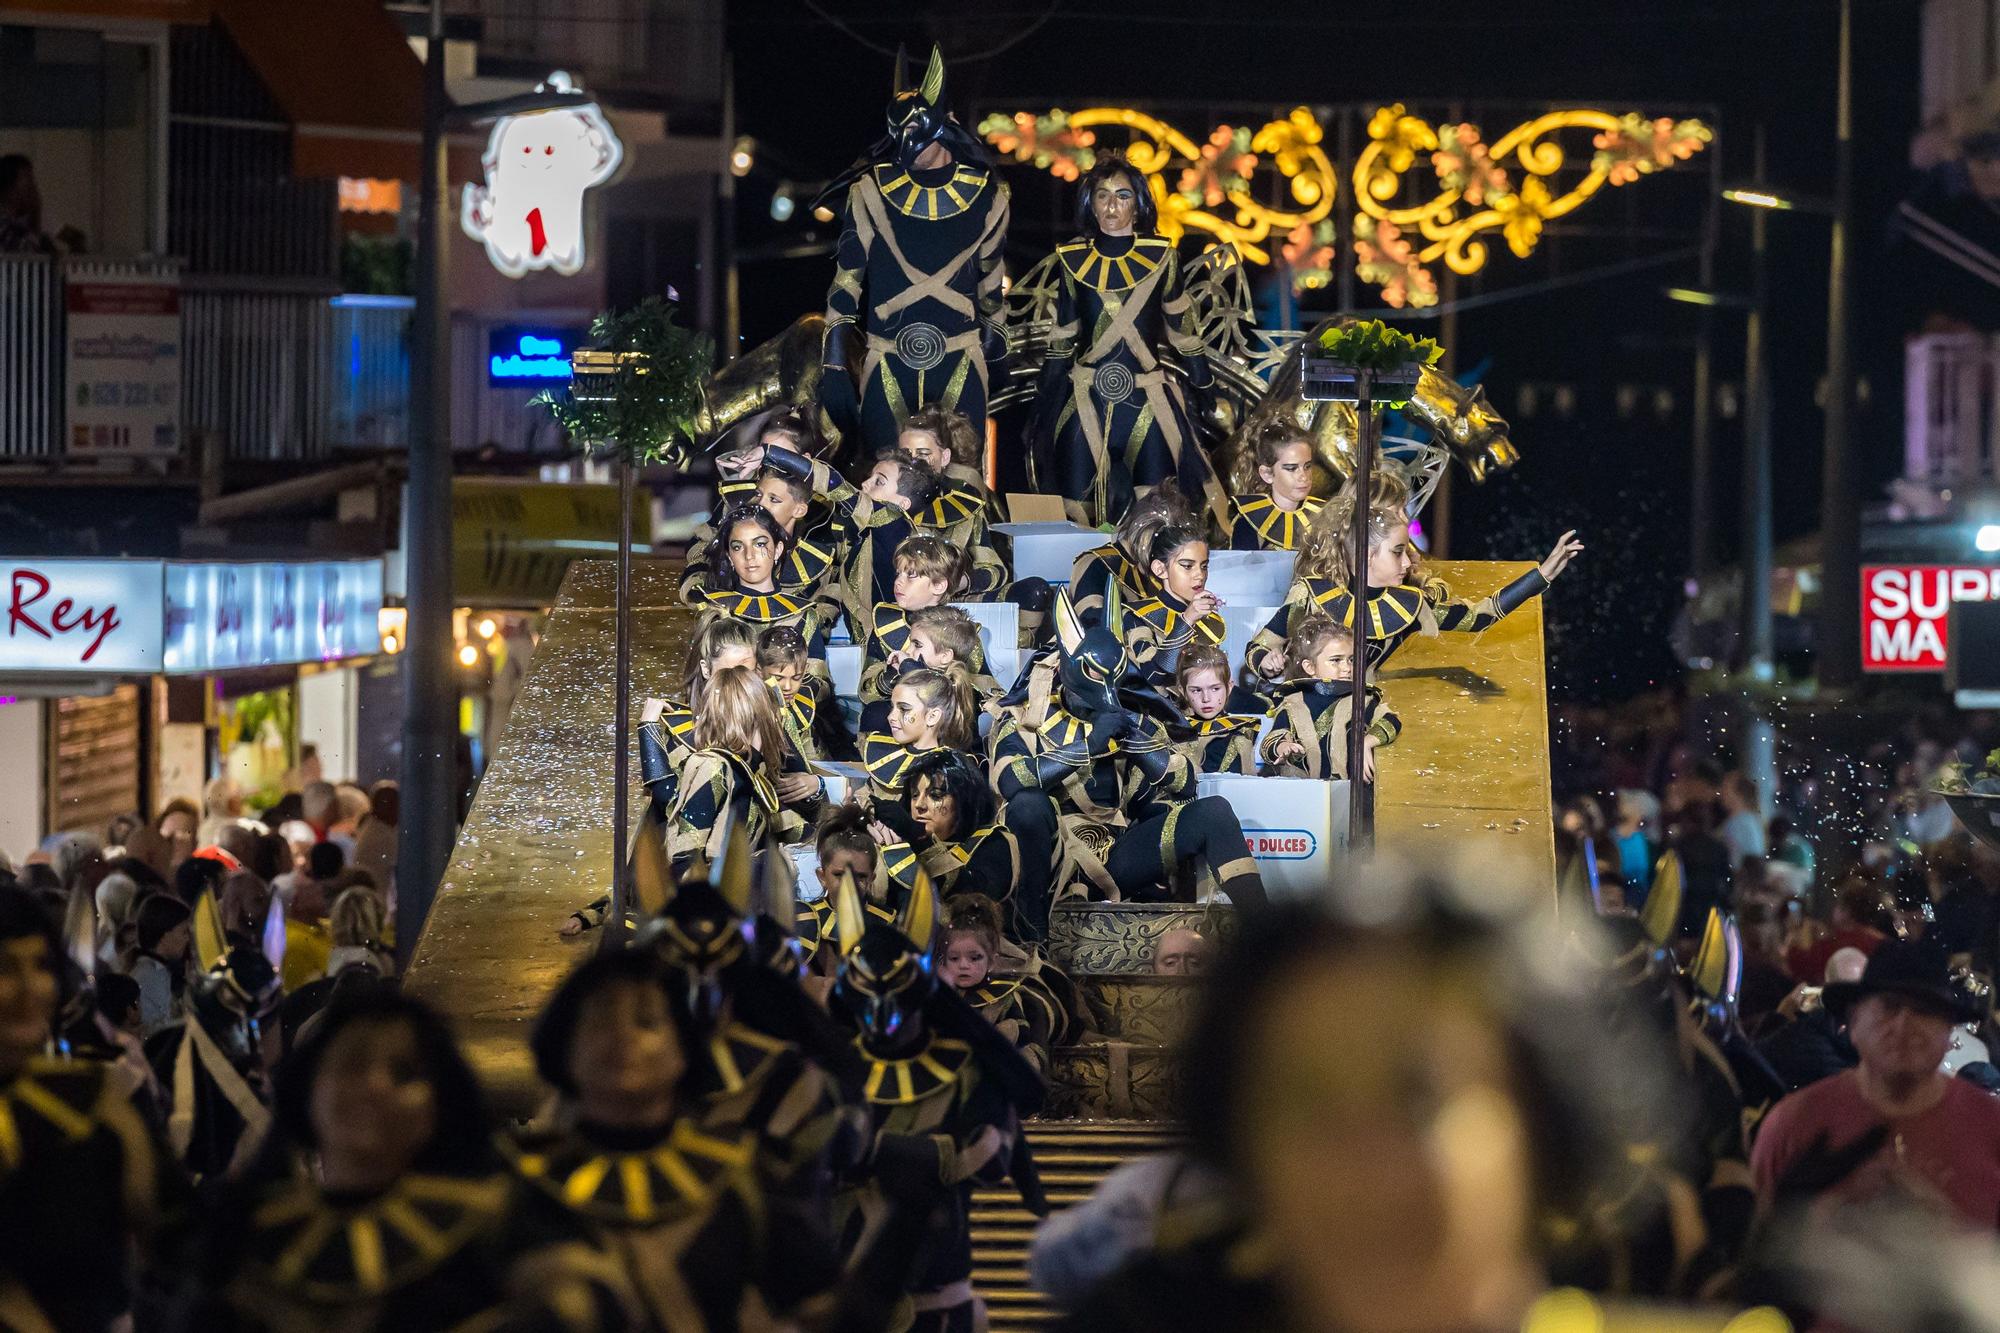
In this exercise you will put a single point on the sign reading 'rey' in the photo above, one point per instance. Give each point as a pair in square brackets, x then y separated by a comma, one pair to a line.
[539, 165]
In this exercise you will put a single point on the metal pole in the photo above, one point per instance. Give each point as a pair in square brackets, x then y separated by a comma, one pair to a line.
[621, 725]
[1360, 791]
[1839, 633]
[429, 821]
[1441, 506]
[1702, 489]
[732, 305]
[1759, 757]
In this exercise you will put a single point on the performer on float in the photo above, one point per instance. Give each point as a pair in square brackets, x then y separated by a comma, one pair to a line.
[1401, 600]
[1183, 612]
[786, 666]
[967, 954]
[920, 264]
[946, 441]
[928, 711]
[1122, 562]
[1273, 486]
[930, 572]
[786, 472]
[379, 1200]
[936, 637]
[1088, 732]
[945, 1096]
[1111, 412]
[738, 747]
[743, 580]
[81, 1177]
[1220, 734]
[1315, 709]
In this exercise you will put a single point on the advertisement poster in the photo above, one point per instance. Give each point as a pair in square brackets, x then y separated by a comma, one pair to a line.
[123, 368]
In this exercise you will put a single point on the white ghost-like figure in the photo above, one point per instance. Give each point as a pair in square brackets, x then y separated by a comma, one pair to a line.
[529, 213]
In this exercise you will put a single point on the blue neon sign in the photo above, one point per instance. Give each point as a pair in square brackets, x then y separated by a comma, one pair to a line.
[530, 357]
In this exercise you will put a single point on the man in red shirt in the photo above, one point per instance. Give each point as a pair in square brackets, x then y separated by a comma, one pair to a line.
[1896, 1127]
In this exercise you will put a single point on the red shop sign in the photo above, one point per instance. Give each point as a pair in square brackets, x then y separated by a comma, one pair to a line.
[1905, 611]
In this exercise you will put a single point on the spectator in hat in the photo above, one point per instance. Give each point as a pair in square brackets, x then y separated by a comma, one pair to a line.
[1896, 1126]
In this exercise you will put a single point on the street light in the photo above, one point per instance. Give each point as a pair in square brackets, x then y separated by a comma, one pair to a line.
[1764, 196]
[1987, 539]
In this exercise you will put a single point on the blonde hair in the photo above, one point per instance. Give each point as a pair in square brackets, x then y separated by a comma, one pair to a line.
[358, 920]
[950, 692]
[937, 559]
[739, 715]
[950, 628]
[1198, 657]
[1313, 630]
[951, 429]
[1324, 552]
[708, 645]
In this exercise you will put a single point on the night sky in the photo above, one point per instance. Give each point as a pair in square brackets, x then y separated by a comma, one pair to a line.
[812, 95]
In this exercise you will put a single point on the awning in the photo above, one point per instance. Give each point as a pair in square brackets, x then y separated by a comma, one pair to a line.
[350, 84]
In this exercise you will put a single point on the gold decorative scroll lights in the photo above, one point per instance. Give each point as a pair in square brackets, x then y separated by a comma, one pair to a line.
[1220, 186]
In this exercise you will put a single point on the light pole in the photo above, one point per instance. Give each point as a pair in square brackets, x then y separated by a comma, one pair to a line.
[1839, 634]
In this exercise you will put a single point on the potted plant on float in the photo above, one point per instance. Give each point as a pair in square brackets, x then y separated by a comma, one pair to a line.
[635, 397]
[1974, 796]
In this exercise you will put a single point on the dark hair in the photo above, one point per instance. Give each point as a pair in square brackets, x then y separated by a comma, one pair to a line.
[385, 801]
[12, 167]
[180, 805]
[951, 773]
[272, 858]
[158, 914]
[325, 860]
[555, 1031]
[1145, 213]
[1170, 539]
[117, 996]
[781, 643]
[140, 873]
[195, 876]
[844, 829]
[917, 482]
[800, 425]
[462, 1141]
[800, 487]
[22, 917]
[725, 572]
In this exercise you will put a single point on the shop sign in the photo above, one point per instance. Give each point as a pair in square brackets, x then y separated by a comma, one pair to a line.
[122, 367]
[1905, 610]
[97, 616]
[225, 616]
[530, 357]
[529, 211]
[512, 540]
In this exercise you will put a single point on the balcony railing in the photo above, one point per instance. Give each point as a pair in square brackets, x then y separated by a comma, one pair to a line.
[1951, 430]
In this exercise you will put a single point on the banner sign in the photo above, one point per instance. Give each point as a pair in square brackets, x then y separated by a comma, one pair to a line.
[123, 367]
[512, 540]
[97, 616]
[1905, 611]
[530, 358]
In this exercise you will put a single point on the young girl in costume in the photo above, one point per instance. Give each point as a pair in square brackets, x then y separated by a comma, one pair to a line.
[785, 666]
[930, 572]
[895, 494]
[743, 579]
[1183, 610]
[1122, 562]
[928, 710]
[1220, 739]
[967, 952]
[1273, 476]
[739, 748]
[946, 442]
[1401, 600]
[938, 637]
[1309, 725]
[788, 446]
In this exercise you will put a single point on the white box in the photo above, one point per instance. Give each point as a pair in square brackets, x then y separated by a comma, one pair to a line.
[1240, 625]
[1295, 828]
[805, 862]
[842, 781]
[999, 624]
[1049, 550]
[1253, 578]
[843, 664]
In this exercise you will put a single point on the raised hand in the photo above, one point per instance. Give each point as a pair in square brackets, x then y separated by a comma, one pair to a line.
[1567, 548]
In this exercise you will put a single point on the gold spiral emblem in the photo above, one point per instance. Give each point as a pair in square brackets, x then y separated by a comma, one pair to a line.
[1113, 383]
[920, 346]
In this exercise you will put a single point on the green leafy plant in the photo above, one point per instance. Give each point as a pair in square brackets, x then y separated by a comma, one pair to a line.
[1369, 344]
[1958, 779]
[650, 405]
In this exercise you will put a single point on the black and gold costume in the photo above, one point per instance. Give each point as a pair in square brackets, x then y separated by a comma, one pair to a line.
[1318, 714]
[1097, 571]
[920, 265]
[765, 609]
[888, 763]
[1226, 743]
[1260, 525]
[81, 1177]
[1112, 409]
[665, 742]
[711, 783]
[959, 516]
[1012, 862]
[1394, 614]
[433, 1251]
[868, 576]
[1157, 629]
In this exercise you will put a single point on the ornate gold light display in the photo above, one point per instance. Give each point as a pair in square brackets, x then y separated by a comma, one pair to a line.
[1509, 186]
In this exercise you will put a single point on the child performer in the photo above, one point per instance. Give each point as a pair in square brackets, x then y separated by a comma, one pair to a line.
[820, 530]
[953, 835]
[1182, 612]
[1309, 727]
[929, 572]
[1401, 601]
[938, 637]
[738, 482]
[1219, 739]
[946, 442]
[1274, 475]
[743, 580]
[928, 710]
[666, 739]
[784, 664]
[895, 492]
[738, 749]
[1122, 562]
[967, 950]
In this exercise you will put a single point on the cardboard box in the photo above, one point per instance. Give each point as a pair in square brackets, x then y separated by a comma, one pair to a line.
[843, 663]
[1241, 624]
[1251, 578]
[1295, 828]
[1048, 550]
[842, 780]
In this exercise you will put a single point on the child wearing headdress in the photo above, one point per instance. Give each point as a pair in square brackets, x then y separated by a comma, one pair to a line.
[1222, 721]
[1272, 480]
[1310, 724]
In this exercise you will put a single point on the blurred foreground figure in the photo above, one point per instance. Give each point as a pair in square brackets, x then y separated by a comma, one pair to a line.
[1400, 1097]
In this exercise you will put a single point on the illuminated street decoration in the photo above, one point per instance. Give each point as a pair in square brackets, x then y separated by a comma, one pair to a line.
[1220, 185]
[539, 165]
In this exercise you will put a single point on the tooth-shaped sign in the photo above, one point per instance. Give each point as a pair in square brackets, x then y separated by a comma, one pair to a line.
[539, 165]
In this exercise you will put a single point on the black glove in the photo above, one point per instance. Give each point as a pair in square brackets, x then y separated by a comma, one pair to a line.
[1530, 584]
[837, 392]
[1109, 726]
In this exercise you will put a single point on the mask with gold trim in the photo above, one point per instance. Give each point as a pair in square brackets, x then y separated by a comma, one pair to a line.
[704, 926]
[917, 116]
[885, 979]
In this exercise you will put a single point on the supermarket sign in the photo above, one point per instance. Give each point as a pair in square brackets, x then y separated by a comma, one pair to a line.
[1905, 611]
